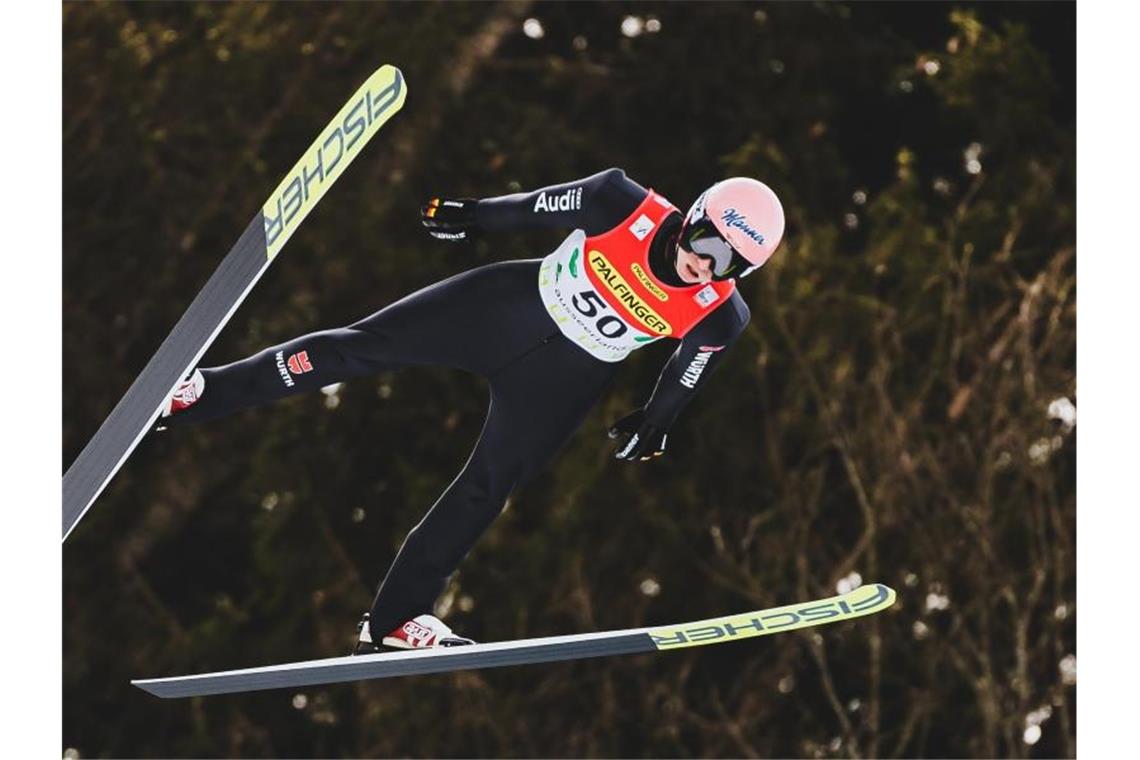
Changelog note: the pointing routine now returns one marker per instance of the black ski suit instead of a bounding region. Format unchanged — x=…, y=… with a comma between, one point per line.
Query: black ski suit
x=542, y=385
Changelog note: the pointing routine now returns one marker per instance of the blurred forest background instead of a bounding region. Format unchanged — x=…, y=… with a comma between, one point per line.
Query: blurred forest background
x=901, y=408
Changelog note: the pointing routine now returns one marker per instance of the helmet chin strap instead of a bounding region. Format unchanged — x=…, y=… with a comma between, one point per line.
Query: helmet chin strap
x=663, y=261
x=673, y=243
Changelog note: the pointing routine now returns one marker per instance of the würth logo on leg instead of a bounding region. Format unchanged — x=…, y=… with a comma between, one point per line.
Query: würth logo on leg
x=283, y=367
x=299, y=363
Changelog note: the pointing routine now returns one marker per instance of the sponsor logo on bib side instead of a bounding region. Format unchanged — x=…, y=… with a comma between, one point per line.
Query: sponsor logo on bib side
x=706, y=296
x=641, y=227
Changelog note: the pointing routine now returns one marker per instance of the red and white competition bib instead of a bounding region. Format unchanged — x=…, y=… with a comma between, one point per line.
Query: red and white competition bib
x=603, y=296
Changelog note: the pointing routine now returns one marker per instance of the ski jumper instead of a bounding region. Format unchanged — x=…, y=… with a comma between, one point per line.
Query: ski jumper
x=544, y=376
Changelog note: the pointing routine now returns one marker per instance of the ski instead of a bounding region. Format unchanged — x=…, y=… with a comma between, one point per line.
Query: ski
x=865, y=600
x=376, y=101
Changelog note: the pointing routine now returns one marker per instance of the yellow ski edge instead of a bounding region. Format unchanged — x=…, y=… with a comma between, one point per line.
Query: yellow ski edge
x=865, y=600
x=376, y=101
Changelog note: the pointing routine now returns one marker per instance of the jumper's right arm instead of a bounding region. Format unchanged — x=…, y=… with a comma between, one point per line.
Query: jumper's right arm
x=593, y=204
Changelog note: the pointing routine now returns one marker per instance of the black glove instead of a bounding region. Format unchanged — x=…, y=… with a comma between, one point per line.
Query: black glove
x=638, y=439
x=449, y=219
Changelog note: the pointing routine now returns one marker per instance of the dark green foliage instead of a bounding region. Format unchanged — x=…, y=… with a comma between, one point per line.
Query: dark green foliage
x=884, y=414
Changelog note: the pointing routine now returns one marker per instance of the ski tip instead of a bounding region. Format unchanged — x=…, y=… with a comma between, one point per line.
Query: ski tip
x=887, y=597
x=342, y=140
x=391, y=76
x=387, y=67
x=864, y=600
x=876, y=595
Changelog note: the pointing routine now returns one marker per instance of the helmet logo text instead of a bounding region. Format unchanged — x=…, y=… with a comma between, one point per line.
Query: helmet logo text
x=734, y=218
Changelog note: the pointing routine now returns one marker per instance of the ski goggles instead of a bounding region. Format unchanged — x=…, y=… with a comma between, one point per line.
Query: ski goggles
x=700, y=236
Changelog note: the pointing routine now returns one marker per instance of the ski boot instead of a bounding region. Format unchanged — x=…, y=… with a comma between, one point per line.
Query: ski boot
x=421, y=632
x=185, y=396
